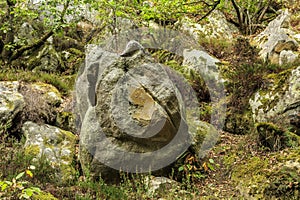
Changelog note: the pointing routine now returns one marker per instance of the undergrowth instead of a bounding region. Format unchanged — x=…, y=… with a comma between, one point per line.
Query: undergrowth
x=64, y=84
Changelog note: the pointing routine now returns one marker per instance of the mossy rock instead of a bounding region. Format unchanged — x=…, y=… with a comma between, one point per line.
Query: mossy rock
x=271, y=136
x=55, y=145
x=279, y=98
x=204, y=137
x=50, y=93
x=239, y=123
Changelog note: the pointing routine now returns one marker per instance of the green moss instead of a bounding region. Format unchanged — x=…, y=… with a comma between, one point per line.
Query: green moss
x=63, y=83
x=69, y=136
x=43, y=196
x=292, y=154
x=275, y=138
x=67, y=173
x=33, y=150
x=251, y=168
x=66, y=121
x=275, y=176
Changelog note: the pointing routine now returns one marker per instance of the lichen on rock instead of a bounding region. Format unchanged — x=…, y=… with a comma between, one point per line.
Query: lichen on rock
x=56, y=145
x=279, y=99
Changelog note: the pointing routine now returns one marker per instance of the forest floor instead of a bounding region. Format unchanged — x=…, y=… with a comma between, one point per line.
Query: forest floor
x=218, y=183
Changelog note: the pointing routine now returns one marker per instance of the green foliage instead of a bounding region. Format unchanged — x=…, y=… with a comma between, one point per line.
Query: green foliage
x=261, y=174
x=64, y=84
x=46, y=17
x=164, y=12
x=191, y=170
x=100, y=190
x=246, y=73
x=18, y=187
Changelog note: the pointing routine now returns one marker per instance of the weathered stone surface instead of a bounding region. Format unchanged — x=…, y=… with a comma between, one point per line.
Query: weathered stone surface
x=279, y=100
x=216, y=27
x=276, y=38
x=202, y=63
x=57, y=145
x=204, y=137
x=158, y=185
x=131, y=114
x=11, y=103
x=287, y=57
x=129, y=100
x=200, y=66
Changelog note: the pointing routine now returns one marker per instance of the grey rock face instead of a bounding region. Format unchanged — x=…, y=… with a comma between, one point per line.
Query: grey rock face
x=131, y=48
x=202, y=64
x=158, y=185
x=131, y=115
x=276, y=38
x=11, y=103
x=280, y=101
x=216, y=27
x=287, y=57
x=49, y=92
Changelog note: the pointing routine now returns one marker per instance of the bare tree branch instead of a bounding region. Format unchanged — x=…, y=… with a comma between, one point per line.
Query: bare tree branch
x=238, y=11
x=211, y=10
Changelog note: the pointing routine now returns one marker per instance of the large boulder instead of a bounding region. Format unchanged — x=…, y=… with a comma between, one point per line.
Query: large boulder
x=277, y=43
x=132, y=116
x=202, y=63
x=11, y=103
x=54, y=144
x=279, y=101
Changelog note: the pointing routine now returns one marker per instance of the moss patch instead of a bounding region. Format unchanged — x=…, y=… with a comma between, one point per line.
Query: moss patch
x=271, y=136
x=261, y=174
x=43, y=196
x=64, y=84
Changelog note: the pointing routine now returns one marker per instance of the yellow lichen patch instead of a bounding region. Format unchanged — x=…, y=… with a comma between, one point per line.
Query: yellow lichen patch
x=43, y=196
x=32, y=150
x=138, y=96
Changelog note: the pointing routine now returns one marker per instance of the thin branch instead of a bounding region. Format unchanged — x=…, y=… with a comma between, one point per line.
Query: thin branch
x=210, y=11
x=263, y=12
x=237, y=10
x=64, y=11
x=197, y=2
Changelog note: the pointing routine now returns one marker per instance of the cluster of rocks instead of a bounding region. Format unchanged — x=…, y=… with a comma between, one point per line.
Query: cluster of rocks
x=133, y=116
x=51, y=142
